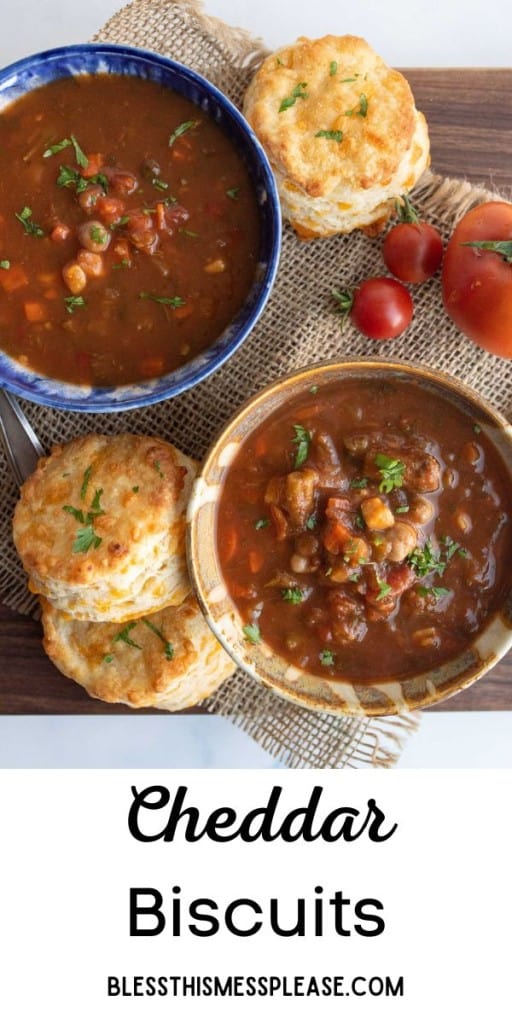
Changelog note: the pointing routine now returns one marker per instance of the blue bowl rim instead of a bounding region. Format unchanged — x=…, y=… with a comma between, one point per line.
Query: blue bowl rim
x=26, y=384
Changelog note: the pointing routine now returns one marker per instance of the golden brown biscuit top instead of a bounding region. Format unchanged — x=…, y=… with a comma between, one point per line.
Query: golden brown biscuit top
x=143, y=661
x=96, y=505
x=331, y=111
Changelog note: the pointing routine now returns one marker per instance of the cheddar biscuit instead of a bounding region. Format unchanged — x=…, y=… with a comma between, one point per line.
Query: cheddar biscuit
x=341, y=131
x=168, y=660
x=100, y=526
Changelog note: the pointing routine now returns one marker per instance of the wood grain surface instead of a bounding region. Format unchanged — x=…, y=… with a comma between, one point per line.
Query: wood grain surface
x=469, y=112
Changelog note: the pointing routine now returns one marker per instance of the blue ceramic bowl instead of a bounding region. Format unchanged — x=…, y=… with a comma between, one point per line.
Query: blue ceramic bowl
x=34, y=71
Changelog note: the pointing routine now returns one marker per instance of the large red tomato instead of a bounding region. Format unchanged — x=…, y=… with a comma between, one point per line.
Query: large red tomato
x=477, y=276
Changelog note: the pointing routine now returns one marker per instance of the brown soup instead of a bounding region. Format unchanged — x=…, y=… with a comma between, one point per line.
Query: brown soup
x=129, y=230
x=364, y=531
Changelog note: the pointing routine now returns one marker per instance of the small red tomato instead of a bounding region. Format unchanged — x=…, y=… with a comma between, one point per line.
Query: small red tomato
x=380, y=307
x=477, y=277
x=413, y=249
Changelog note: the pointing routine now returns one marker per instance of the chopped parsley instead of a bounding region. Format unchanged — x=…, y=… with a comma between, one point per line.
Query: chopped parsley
x=108, y=658
x=391, y=472
x=73, y=302
x=384, y=589
x=97, y=234
x=401, y=509
x=355, y=577
x=333, y=135
x=175, y=301
x=302, y=440
x=333, y=67
x=356, y=485
x=436, y=592
x=451, y=548
x=119, y=223
x=252, y=633
x=124, y=636
x=122, y=265
x=311, y=522
x=86, y=536
x=360, y=523
x=157, y=183
x=158, y=468
x=30, y=227
x=361, y=110
x=57, y=147
x=298, y=93
x=232, y=193
x=294, y=595
x=425, y=560
x=260, y=524
x=5, y=264
x=85, y=483
x=168, y=647
x=69, y=178
x=353, y=79
x=135, y=490
x=313, y=389
x=326, y=658
x=185, y=126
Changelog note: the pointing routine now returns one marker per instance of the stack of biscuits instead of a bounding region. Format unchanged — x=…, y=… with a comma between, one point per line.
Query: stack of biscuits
x=100, y=529
x=341, y=131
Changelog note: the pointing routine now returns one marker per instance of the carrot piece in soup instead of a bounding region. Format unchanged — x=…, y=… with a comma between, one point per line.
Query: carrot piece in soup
x=13, y=278
x=35, y=312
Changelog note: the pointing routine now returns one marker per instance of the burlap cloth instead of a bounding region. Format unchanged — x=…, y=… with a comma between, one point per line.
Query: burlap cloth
x=299, y=326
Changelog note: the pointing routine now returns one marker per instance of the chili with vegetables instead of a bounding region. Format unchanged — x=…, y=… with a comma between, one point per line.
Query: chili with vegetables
x=129, y=230
x=364, y=530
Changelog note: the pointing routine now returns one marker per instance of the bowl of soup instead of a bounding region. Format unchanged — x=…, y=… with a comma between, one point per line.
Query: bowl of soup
x=350, y=537
x=140, y=228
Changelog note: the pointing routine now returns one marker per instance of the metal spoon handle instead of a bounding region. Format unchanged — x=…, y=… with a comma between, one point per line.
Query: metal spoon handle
x=21, y=445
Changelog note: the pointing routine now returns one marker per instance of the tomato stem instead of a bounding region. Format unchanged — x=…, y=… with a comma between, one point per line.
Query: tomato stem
x=503, y=249
x=345, y=300
x=405, y=210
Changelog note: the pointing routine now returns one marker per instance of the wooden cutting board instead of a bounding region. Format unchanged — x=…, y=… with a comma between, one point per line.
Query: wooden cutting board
x=469, y=112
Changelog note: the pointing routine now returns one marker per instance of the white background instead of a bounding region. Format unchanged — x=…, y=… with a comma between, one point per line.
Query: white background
x=406, y=33
x=70, y=862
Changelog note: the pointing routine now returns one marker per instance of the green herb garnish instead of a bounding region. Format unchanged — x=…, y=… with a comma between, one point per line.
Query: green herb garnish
x=326, y=658
x=56, y=148
x=294, y=595
x=5, y=264
x=73, y=302
x=298, y=93
x=108, y=658
x=135, y=490
x=85, y=483
x=391, y=472
x=119, y=223
x=124, y=636
x=97, y=234
x=356, y=485
x=260, y=524
x=355, y=577
x=69, y=178
x=252, y=633
x=353, y=79
x=333, y=67
x=122, y=265
x=313, y=389
x=361, y=110
x=162, y=186
x=324, y=133
x=158, y=468
x=168, y=647
x=30, y=227
x=384, y=589
x=164, y=300
x=476, y=426
x=233, y=193
x=452, y=548
x=401, y=509
x=185, y=126
x=425, y=560
x=436, y=592
x=86, y=538
x=311, y=522
x=80, y=156
x=302, y=440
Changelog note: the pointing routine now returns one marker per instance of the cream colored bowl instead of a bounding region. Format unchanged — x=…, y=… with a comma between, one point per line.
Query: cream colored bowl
x=345, y=696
